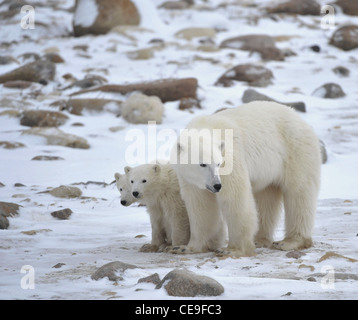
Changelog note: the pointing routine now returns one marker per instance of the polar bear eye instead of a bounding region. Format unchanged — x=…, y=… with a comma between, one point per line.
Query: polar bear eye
x=131, y=181
x=144, y=181
x=120, y=189
x=202, y=165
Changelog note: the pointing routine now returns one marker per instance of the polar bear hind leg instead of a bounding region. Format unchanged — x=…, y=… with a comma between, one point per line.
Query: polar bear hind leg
x=269, y=206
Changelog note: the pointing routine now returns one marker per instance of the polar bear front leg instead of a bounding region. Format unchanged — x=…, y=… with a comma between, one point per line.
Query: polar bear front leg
x=158, y=233
x=206, y=231
x=242, y=220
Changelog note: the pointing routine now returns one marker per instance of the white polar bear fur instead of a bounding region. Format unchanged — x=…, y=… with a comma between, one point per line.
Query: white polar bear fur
x=275, y=158
x=158, y=188
x=124, y=189
x=140, y=108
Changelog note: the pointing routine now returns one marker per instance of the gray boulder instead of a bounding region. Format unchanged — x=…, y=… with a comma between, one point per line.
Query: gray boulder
x=184, y=283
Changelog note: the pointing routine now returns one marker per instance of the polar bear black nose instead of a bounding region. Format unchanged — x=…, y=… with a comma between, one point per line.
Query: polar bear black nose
x=135, y=194
x=217, y=187
x=123, y=202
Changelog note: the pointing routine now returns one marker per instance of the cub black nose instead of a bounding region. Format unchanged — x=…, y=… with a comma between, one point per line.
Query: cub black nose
x=123, y=202
x=217, y=187
x=135, y=194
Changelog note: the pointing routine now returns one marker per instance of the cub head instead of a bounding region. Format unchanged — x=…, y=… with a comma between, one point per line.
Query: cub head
x=142, y=179
x=125, y=189
x=197, y=158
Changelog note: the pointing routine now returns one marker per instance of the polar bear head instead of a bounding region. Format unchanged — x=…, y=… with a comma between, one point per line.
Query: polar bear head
x=198, y=158
x=143, y=179
x=125, y=189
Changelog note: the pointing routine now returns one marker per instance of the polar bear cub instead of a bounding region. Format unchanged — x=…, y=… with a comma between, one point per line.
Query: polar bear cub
x=271, y=156
x=156, y=185
x=124, y=189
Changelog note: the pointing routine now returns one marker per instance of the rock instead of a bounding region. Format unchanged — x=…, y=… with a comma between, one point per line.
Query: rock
x=252, y=95
x=295, y=254
x=348, y=6
x=190, y=33
x=11, y=145
x=78, y=106
x=263, y=44
x=42, y=118
x=184, y=283
x=176, y=5
x=57, y=137
x=341, y=71
x=62, y=214
x=189, y=103
x=111, y=270
x=47, y=158
x=141, y=54
x=100, y=16
x=66, y=192
x=7, y=60
x=329, y=91
x=88, y=82
x=9, y=209
x=18, y=84
x=345, y=38
x=165, y=89
x=40, y=71
x=4, y=222
x=254, y=75
x=154, y=278
x=303, y=7
x=323, y=149
x=58, y=265
x=140, y=108
x=54, y=57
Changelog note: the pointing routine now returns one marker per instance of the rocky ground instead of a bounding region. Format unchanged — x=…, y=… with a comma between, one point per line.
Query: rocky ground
x=63, y=87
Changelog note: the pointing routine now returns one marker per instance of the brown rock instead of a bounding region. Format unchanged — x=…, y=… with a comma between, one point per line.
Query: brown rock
x=110, y=13
x=9, y=209
x=349, y=7
x=252, y=95
x=37, y=71
x=18, y=84
x=57, y=137
x=345, y=38
x=254, y=75
x=303, y=7
x=112, y=270
x=62, y=214
x=11, y=145
x=47, y=158
x=66, y=192
x=263, y=44
x=78, y=106
x=154, y=278
x=184, y=283
x=42, y=118
x=165, y=89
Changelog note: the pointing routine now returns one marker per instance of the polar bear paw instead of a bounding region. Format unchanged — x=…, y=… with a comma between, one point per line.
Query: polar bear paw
x=148, y=247
x=180, y=250
x=289, y=244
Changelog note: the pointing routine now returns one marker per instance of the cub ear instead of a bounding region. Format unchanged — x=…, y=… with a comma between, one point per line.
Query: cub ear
x=156, y=168
x=127, y=169
x=117, y=176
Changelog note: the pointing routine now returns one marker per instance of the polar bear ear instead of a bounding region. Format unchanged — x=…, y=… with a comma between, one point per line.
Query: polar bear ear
x=156, y=168
x=117, y=176
x=127, y=169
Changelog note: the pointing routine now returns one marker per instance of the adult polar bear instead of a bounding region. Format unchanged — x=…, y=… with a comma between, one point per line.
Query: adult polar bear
x=273, y=156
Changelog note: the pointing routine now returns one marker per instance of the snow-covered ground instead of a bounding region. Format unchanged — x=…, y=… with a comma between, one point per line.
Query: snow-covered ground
x=100, y=230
